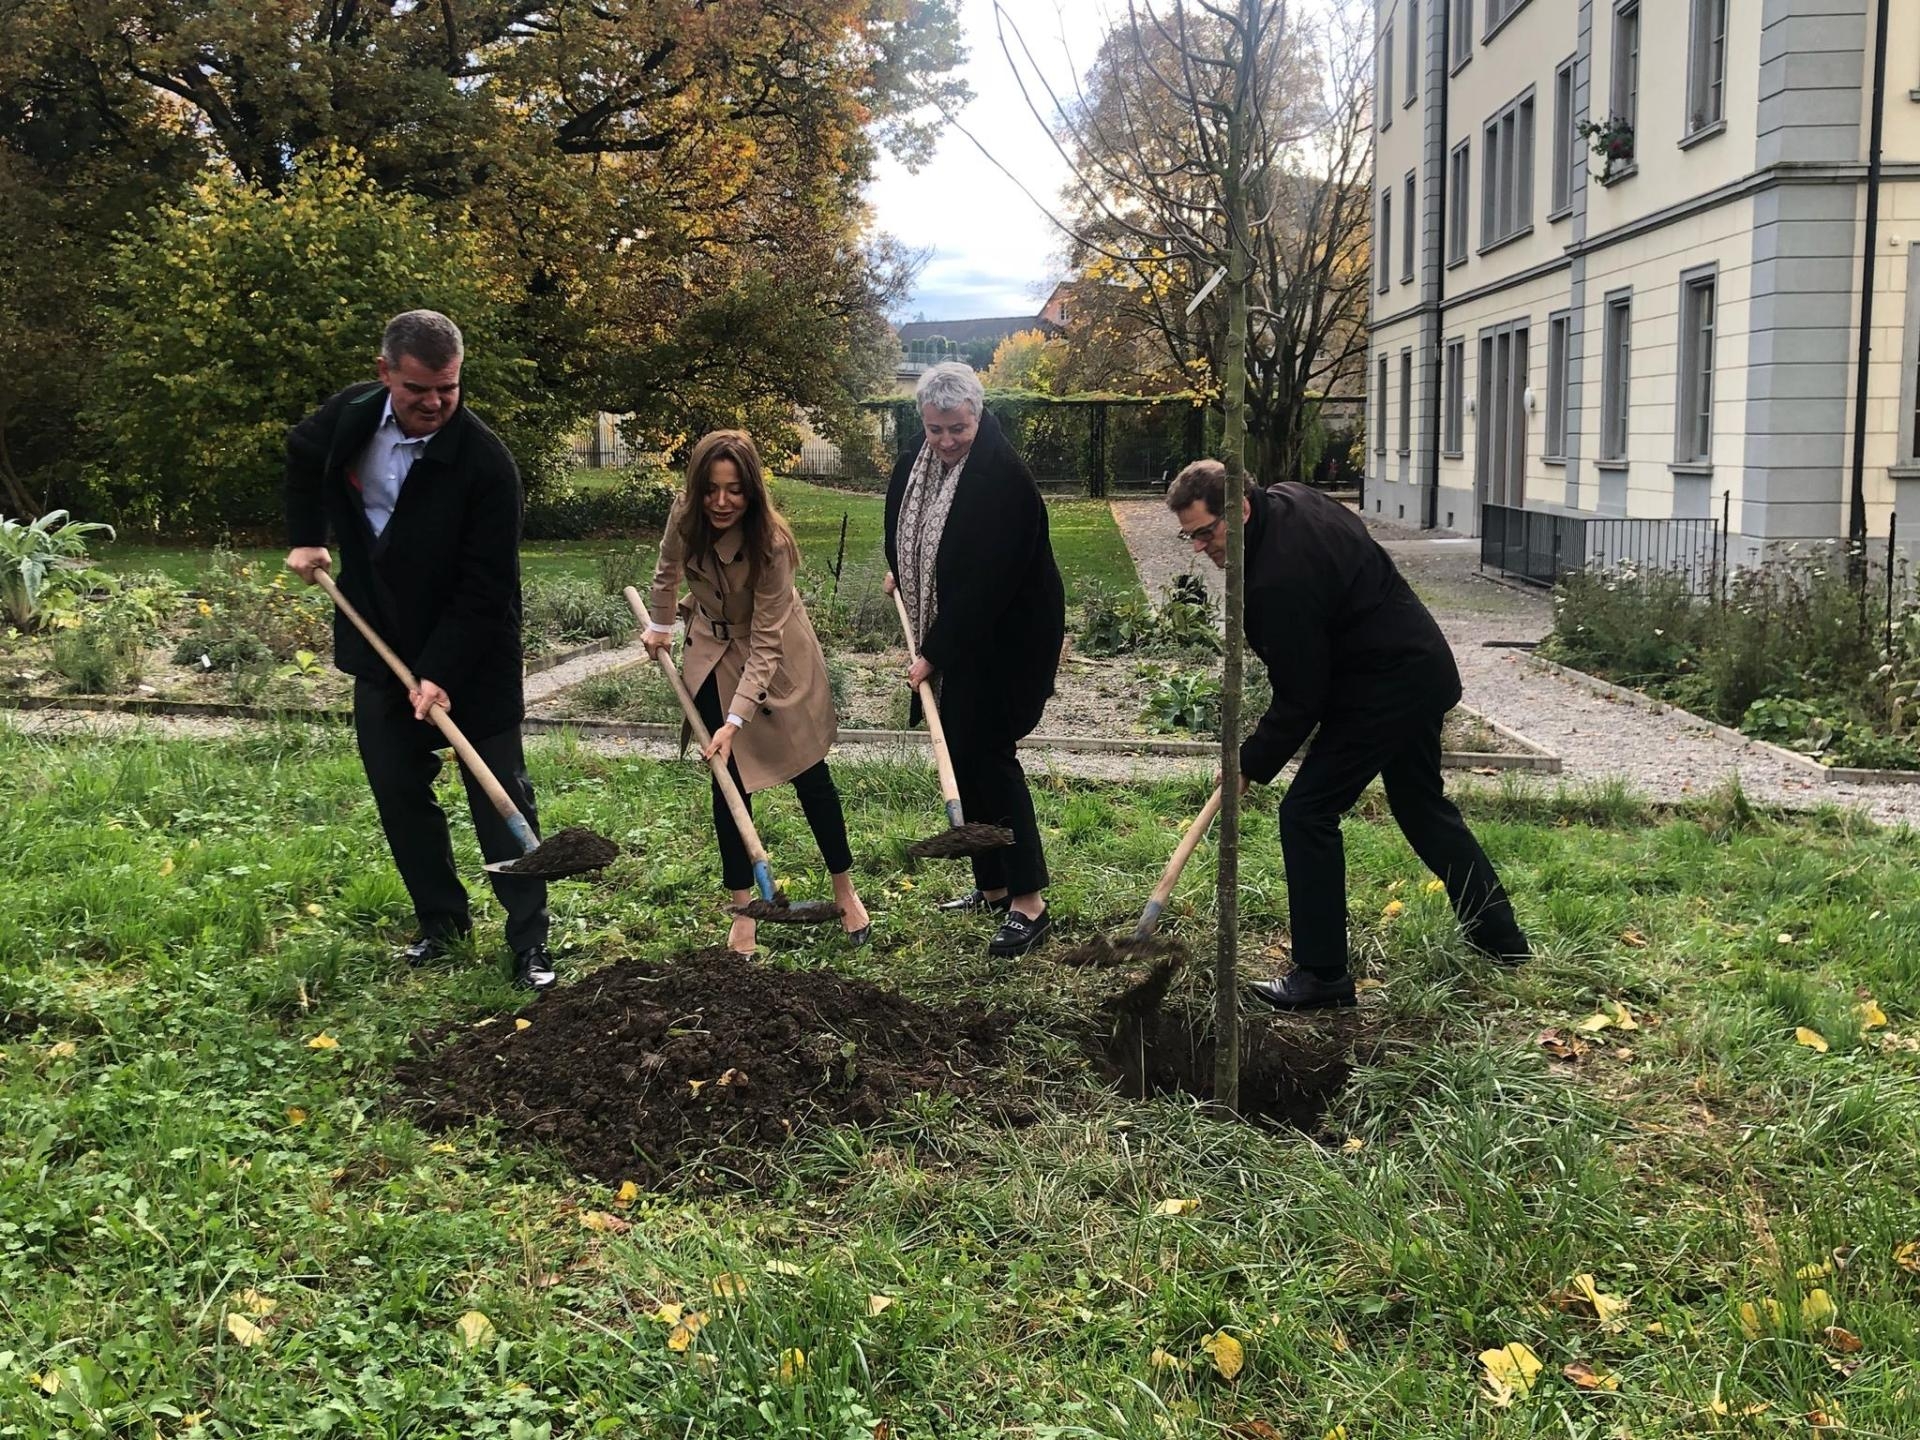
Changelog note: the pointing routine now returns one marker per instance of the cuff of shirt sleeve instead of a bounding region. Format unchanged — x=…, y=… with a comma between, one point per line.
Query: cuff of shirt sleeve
x=735, y=721
x=654, y=628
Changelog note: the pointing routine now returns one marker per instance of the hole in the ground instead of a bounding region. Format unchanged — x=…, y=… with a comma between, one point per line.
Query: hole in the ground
x=1291, y=1070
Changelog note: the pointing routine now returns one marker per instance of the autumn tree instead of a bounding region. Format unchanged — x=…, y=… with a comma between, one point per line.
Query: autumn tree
x=1026, y=360
x=1130, y=137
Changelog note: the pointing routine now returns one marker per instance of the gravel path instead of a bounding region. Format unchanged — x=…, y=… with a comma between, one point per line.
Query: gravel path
x=1663, y=756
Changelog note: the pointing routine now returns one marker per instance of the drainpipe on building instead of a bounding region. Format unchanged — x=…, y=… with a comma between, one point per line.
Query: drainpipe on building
x=1857, y=507
x=1430, y=519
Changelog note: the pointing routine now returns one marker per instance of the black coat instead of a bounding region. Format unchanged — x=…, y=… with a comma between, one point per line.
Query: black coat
x=1001, y=612
x=1346, y=642
x=441, y=584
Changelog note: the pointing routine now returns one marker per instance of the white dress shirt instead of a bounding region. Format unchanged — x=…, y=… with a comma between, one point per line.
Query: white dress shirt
x=383, y=468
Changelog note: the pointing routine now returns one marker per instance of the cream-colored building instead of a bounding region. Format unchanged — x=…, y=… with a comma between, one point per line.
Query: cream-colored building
x=1669, y=333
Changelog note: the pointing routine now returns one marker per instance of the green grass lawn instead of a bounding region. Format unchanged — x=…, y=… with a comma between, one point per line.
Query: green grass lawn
x=179, y=921
x=1085, y=539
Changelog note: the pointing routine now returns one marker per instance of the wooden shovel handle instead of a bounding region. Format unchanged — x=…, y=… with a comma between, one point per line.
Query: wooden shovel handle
x=942, y=761
x=1170, y=877
x=736, y=807
x=469, y=757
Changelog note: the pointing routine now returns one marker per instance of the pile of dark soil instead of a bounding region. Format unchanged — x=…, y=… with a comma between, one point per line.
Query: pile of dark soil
x=703, y=1067
x=572, y=851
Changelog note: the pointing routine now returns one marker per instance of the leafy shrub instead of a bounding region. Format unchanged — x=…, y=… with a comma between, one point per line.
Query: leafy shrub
x=1126, y=624
x=1184, y=700
x=252, y=612
x=575, y=610
x=640, y=500
x=43, y=565
x=94, y=661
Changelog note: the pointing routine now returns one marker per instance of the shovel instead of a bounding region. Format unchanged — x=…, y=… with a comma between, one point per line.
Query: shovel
x=573, y=851
x=959, y=839
x=1103, y=953
x=772, y=905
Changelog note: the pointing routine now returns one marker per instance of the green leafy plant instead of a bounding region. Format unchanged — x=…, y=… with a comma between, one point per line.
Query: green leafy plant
x=575, y=610
x=1186, y=700
x=95, y=662
x=1115, y=625
x=42, y=564
x=252, y=612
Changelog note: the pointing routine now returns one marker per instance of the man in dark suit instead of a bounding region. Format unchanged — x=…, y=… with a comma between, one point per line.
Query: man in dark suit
x=1349, y=649
x=425, y=504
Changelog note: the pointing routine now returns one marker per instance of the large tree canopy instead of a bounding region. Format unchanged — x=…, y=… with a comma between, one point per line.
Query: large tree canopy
x=673, y=186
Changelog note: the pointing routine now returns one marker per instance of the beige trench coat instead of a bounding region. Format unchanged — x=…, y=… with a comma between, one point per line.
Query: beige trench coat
x=760, y=644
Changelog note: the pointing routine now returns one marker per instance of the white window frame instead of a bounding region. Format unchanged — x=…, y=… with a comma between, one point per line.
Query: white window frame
x=1693, y=393
x=1616, y=379
x=1559, y=373
x=1707, y=69
x=1563, y=140
x=1409, y=232
x=1453, y=408
x=1506, y=178
x=1459, y=203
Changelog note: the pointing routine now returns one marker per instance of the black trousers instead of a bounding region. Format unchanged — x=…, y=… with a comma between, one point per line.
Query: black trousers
x=1405, y=754
x=400, y=755
x=819, y=801
x=993, y=787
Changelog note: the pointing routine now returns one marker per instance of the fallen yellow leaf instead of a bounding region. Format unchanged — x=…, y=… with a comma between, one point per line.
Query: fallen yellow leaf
x=783, y=1267
x=1229, y=1355
x=793, y=1364
x=1510, y=1371
x=730, y=1285
x=684, y=1329
x=670, y=1313
x=1720, y=1407
x=1394, y=910
x=1339, y=1432
x=63, y=1050
x=1817, y=1310
x=1634, y=939
x=1812, y=1039
x=243, y=1330
x=705, y=1361
x=443, y=1147
x=1845, y=1341
x=1176, y=1207
x=473, y=1329
x=877, y=1304
x=256, y=1304
x=628, y=1193
x=695, y=1086
x=296, y=1116
x=1354, y=1145
x=1585, y=1377
x=603, y=1222
x=1907, y=1256
x=323, y=1041
x=1623, y=1017
x=313, y=909
x=1161, y=1360
x=1757, y=1320
x=1594, y=1023
x=1435, y=887
x=166, y=866
x=523, y=1024
x=1583, y=1297
x=1814, y=1272
x=1872, y=1017
x=49, y=1383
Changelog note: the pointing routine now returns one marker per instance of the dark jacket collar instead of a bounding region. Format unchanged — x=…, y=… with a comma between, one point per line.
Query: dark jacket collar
x=364, y=413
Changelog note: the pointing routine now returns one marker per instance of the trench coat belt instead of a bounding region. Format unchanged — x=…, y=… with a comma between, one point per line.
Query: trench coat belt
x=721, y=630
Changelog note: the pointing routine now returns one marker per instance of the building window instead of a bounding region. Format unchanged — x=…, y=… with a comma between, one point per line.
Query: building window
x=1559, y=334
x=1453, y=406
x=1380, y=411
x=1500, y=440
x=1616, y=378
x=1460, y=172
x=1406, y=402
x=1693, y=422
x=1564, y=139
x=1409, y=232
x=1907, y=462
x=1413, y=51
x=1386, y=78
x=1506, y=174
x=1625, y=108
x=1460, y=30
x=1707, y=67
x=1383, y=244
x=1499, y=11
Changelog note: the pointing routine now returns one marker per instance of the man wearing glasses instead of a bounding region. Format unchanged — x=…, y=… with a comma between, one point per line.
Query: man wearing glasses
x=1349, y=649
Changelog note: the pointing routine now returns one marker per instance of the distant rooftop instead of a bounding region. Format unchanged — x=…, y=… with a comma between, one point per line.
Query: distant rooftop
x=968, y=332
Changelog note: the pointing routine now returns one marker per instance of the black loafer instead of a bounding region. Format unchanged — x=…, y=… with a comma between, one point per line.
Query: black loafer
x=976, y=900
x=1510, y=949
x=1306, y=990
x=430, y=948
x=533, y=969
x=1017, y=934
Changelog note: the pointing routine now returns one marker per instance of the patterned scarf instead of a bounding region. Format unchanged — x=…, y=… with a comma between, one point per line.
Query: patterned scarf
x=923, y=519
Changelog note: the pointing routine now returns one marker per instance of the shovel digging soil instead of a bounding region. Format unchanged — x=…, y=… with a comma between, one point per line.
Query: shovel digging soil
x=573, y=851
x=960, y=839
x=1102, y=953
x=773, y=904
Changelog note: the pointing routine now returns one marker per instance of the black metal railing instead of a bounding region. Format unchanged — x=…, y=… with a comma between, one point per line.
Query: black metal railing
x=1539, y=547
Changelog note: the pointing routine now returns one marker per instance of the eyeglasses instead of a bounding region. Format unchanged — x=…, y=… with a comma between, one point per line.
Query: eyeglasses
x=1204, y=534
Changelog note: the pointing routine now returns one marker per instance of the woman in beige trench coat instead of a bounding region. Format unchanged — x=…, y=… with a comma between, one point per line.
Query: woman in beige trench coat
x=751, y=661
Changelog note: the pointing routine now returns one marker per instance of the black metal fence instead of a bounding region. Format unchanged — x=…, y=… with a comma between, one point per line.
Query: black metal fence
x=1538, y=547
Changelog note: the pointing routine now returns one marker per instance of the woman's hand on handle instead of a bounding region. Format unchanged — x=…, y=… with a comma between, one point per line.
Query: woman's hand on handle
x=919, y=673
x=720, y=747
x=657, y=642
x=889, y=584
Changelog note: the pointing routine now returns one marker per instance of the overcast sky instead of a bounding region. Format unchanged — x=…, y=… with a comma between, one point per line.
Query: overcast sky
x=994, y=253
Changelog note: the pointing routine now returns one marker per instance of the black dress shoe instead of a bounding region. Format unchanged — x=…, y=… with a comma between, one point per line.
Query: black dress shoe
x=977, y=900
x=1509, y=949
x=1017, y=934
x=533, y=969
x=1307, y=990
x=430, y=948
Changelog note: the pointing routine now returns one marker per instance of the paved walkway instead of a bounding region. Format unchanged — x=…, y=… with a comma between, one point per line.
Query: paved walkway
x=1664, y=756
